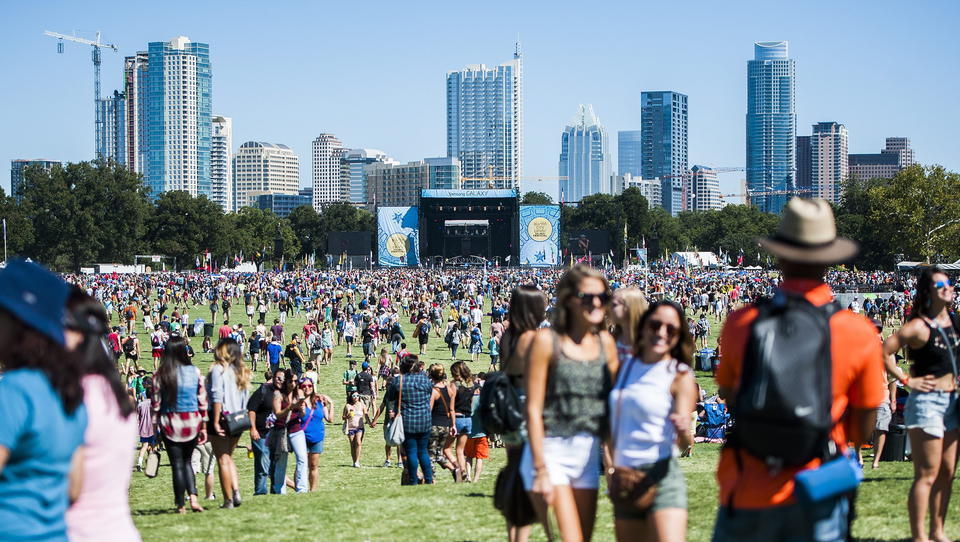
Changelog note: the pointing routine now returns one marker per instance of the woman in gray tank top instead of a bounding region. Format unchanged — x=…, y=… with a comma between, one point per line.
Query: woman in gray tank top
x=569, y=371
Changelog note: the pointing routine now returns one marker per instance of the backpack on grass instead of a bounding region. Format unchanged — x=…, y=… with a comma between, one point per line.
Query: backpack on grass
x=782, y=409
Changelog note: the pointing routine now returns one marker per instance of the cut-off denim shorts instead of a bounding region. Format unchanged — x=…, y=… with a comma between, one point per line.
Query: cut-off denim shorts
x=933, y=411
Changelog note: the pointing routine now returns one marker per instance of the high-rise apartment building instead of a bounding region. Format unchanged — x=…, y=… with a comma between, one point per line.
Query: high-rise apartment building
x=663, y=116
x=393, y=184
x=584, y=157
x=771, y=126
x=649, y=188
x=353, y=178
x=327, y=185
x=804, y=178
x=828, y=160
x=281, y=204
x=485, y=123
x=221, y=161
x=896, y=155
x=177, y=118
x=134, y=92
x=264, y=168
x=629, y=150
x=16, y=172
x=704, y=189
x=111, y=128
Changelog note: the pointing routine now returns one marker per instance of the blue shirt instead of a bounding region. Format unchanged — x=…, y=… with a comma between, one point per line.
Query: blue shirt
x=416, y=401
x=273, y=351
x=315, y=430
x=41, y=439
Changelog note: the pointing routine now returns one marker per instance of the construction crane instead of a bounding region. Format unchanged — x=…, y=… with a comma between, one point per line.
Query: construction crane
x=490, y=178
x=755, y=193
x=96, y=45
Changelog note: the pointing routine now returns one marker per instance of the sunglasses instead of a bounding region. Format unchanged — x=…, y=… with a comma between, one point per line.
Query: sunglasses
x=587, y=299
x=942, y=284
x=305, y=386
x=655, y=325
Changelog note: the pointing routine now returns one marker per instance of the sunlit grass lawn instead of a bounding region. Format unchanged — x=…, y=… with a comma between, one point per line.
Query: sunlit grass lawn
x=369, y=503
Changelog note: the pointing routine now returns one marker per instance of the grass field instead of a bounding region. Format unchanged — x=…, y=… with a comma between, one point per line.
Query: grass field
x=368, y=504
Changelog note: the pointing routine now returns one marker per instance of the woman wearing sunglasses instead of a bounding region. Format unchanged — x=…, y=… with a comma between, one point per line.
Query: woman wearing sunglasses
x=317, y=409
x=650, y=413
x=931, y=416
x=568, y=378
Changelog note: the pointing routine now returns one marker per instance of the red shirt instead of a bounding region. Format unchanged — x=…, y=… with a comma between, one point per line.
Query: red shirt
x=225, y=331
x=857, y=366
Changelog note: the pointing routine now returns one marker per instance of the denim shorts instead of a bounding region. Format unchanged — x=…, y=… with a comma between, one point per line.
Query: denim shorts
x=464, y=425
x=671, y=489
x=315, y=447
x=823, y=521
x=934, y=411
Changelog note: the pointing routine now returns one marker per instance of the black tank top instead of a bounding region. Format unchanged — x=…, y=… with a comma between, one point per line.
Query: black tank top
x=441, y=407
x=463, y=404
x=933, y=358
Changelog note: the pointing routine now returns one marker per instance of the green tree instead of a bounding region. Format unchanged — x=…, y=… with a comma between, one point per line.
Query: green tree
x=58, y=202
x=184, y=227
x=344, y=217
x=536, y=198
x=19, y=230
x=306, y=224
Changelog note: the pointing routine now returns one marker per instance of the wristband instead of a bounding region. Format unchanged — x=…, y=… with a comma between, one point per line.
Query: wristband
x=904, y=379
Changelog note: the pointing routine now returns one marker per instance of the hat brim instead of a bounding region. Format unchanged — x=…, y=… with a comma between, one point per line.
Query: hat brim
x=838, y=251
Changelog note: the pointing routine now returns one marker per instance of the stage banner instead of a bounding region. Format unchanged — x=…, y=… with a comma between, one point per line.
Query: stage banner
x=398, y=232
x=539, y=235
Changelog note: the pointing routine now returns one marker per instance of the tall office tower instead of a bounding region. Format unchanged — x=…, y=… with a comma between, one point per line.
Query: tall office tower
x=771, y=125
x=221, y=169
x=901, y=147
x=485, y=123
x=264, y=168
x=134, y=75
x=353, y=179
x=896, y=155
x=177, y=113
x=649, y=188
x=629, y=149
x=804, y=166
x=327, y=188
x=16, y=172
x=704, y=189
x=584, y=157
x=390, y=184
x=663, y=116
x=828, y=160
x=111, y=128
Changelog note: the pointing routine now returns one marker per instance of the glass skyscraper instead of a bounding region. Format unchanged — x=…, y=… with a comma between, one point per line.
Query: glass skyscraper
x=771, y=126
x=485, y=123
x=663, y=134
x=584, y=157
x=178, y=115
x=111, y=128
x=353, y=178
x=629, y=145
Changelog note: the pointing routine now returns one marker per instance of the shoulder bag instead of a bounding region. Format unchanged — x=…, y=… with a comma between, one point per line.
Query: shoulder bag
x=235, y=423
x=395, y=436
x=153, y=464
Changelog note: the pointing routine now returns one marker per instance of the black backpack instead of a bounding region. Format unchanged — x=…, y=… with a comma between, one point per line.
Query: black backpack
x=128, y=346
x=500, y=407
x=782, y=410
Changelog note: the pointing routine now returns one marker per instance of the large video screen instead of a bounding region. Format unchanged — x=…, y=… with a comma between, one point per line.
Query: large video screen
x=539, y=235
x=583, y=242
x=351, y=243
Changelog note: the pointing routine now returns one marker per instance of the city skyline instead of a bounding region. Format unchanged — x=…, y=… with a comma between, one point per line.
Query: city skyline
x=406, y=117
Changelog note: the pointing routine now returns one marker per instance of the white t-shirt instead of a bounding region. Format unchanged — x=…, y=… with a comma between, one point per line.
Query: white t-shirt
x=643, y=431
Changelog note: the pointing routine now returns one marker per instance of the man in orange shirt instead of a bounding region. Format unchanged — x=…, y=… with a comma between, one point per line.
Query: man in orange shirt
x=758, y=503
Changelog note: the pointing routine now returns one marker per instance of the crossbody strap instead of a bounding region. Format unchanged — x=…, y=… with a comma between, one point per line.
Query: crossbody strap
x=948, y=344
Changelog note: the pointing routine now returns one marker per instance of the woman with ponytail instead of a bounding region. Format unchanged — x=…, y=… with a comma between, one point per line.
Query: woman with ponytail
x=227, y=383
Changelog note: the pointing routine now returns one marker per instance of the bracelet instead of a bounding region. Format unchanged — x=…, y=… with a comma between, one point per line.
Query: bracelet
x=904, y=379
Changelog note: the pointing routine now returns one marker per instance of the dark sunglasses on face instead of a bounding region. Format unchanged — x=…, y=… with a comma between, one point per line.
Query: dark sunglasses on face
x=655, y=325
x=942, y=284
x=587, y=299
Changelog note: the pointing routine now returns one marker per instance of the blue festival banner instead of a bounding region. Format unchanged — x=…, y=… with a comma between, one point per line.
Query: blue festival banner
x=539, y=235
x=398, y=236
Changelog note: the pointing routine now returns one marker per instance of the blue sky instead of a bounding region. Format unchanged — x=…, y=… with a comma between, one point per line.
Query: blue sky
x=373, y=72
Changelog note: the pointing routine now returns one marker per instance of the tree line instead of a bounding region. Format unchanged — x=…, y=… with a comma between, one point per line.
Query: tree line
x=99, y=211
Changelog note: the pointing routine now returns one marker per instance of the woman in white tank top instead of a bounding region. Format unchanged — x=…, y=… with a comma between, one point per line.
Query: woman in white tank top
x=650, y=412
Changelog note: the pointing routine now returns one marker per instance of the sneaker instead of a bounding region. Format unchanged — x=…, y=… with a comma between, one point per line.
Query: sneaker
x=356, y=465
x=386, y=463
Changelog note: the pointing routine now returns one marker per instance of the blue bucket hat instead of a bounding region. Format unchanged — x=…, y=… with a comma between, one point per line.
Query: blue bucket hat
x=34, y=296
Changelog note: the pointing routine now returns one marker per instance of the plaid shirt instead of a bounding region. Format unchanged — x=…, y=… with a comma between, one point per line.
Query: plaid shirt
x=182, y=426
x=415, y=409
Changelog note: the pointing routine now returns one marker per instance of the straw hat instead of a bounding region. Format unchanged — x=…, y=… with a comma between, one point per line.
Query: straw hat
x=808, y=234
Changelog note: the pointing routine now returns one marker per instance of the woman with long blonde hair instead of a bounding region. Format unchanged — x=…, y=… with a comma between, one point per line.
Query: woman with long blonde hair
x=227, y=383
x=626, y=309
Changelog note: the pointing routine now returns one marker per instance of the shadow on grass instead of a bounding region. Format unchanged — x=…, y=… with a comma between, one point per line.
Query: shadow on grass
x=153, y=512
x=887, y=478
x=475, y=494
